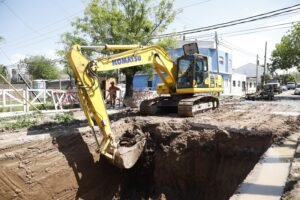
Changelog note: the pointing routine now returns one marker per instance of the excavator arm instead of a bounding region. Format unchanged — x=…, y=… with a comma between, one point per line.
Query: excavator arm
x=91, y=98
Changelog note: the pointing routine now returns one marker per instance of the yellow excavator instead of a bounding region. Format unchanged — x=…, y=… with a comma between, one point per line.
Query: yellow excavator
x=187, y=86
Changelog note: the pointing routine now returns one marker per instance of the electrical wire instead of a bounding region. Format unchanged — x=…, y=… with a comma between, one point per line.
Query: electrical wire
x=238, y=21
x=20, y=18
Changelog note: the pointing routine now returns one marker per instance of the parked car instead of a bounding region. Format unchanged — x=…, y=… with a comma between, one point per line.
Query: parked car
x=297, y=89
x=291, y=85
x=276, y=87
x=284, y=88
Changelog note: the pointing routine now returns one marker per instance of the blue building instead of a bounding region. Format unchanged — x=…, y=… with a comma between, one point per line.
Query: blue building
x=225, y=67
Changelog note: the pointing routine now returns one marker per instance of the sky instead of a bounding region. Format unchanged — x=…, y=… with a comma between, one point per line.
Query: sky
x=34, y=27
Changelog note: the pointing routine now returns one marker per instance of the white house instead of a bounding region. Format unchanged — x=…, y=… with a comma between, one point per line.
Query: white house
x=238, y=84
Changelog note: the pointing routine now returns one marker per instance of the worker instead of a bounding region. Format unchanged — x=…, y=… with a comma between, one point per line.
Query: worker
x=112, y=91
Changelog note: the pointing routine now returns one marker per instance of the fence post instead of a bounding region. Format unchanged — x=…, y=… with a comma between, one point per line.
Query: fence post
x=44, y=96
x=10, y=103
x=3, y=100
x=24, y=102
x=28, y=99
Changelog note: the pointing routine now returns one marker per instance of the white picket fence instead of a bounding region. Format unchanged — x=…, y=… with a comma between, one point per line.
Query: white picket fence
x=60, y=98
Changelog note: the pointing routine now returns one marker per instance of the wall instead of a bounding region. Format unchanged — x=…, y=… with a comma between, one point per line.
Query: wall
x=251, y=85
x=237, y=81
x=140, y=81
x=226, y=84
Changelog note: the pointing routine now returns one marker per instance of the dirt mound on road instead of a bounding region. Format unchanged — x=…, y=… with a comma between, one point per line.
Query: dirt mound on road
x=186, y=160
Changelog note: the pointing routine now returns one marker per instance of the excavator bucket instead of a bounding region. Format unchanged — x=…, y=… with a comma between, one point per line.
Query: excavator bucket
x=126, y=156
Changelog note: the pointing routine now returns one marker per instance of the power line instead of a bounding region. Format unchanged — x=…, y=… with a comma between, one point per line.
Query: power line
x=17, y=41
x=193, y=4
x=6, y=56
x=252, y=32
x=237, y=48
x=258, y=28
x=223, y=26
x=247, y=31
x=270, y=14
x=20, y=19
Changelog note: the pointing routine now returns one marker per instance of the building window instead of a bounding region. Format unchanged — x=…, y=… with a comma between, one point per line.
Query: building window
x=254, y=84
x=233, y=83
x=239, y=83
x=250, y=84
x=221, y=60
x=230, y=63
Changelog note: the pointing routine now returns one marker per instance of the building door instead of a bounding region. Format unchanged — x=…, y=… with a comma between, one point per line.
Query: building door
x=243, y=86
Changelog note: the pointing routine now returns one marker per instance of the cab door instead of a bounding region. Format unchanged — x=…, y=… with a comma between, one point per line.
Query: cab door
x=201, y=72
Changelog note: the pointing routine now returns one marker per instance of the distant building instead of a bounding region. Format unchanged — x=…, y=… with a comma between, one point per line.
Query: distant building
x=250, y=84
x=250, y=70
x=205, y=48
x=238, y=84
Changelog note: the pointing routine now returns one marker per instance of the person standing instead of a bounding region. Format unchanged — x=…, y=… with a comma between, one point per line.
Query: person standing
x=112, y=91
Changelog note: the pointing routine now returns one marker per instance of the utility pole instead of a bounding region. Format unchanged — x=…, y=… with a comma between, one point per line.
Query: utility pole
x=217, y=53
x=257, y=64
x=265, y=63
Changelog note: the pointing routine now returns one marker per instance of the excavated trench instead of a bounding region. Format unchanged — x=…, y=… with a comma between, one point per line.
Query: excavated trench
x=184, y=160
x=192, y=161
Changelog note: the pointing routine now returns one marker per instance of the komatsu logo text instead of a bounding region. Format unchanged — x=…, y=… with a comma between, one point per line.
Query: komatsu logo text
x=126, y=60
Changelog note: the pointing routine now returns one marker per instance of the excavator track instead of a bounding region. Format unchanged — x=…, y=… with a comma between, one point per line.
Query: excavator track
x=185, y=107
x=188, y=107
x=150, y=106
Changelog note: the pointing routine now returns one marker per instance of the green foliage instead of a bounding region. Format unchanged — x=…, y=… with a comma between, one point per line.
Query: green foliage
x=286, y=54
x=122, y=22
x=1, y=39
x=285, y=78
x=167, y=43
x=40, y=67
x=18, y=122
x=64, y=118
x=3, y=72
x=47, y=105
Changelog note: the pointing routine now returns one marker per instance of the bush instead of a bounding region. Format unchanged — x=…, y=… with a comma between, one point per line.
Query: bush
x=64, y=118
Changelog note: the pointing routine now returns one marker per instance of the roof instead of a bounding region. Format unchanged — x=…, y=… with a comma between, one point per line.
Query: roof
x=249, y=70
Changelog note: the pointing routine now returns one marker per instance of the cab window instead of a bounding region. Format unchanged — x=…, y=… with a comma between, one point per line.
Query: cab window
x=185, y=73
x=200, y=68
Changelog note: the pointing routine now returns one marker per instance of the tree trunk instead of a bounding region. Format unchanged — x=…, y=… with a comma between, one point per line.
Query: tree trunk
x=129, y=86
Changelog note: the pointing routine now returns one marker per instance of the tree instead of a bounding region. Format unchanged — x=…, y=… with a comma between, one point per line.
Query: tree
x=40, y=67
x=287, y=53
x=285, y=78
x=124, y=22
x=265, y=78
x=3, y=72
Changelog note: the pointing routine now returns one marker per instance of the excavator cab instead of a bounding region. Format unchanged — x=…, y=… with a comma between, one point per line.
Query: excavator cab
x=192, y=70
